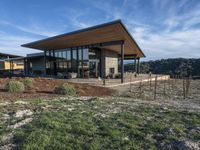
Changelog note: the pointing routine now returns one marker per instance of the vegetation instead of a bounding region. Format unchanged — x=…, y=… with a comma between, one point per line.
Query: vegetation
x=102, y=123
x=177, y=66
x=109, y=123
x=65, y=89
x=28, y=82
x=14, y=86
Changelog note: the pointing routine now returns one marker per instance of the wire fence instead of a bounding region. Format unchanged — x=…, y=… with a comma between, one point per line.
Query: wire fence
x=159, y=85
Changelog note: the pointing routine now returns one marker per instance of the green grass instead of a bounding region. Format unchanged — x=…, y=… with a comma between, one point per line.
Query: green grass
x=102, y=124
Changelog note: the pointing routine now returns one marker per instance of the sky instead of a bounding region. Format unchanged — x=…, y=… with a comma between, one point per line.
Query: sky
x=162, y=28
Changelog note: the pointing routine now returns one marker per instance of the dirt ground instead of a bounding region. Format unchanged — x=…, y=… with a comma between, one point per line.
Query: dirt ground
x=43, y=88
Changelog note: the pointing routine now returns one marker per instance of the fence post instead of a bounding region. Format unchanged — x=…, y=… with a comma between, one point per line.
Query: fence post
x=140, y=87
x=188, y=85
x=130, y=82
x=150, y=81
x=172, y=82
x=164, y=86
x=155, y=87
x=183, y=87
x=104, y=81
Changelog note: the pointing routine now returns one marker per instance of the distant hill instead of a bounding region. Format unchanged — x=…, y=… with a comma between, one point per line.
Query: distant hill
x=176, y=66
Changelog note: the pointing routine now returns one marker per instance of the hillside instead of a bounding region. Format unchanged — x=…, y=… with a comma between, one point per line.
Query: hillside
x=178, y=66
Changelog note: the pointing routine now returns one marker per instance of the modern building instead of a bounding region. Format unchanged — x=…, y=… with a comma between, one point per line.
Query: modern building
x=35, y=64
x=97, y=51
x=8, y=65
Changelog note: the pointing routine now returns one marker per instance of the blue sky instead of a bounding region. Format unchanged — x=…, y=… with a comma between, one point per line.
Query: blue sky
x=162, y=28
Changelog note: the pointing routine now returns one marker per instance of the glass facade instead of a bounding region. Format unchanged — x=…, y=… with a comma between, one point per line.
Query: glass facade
x=65, y=61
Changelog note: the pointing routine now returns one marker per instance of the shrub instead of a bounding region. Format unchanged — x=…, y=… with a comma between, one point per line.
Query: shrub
x=65, y=89
x=14, y=86
x=28, y=82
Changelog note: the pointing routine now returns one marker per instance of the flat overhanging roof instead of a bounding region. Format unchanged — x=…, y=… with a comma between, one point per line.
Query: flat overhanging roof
x=109, y=32
x=10, y=55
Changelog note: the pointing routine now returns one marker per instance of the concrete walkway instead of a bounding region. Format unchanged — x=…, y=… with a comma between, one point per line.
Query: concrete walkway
x=128, y=79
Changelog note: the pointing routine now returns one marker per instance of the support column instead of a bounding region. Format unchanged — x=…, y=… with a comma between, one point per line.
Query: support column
x=122, y=62
x=135, y=65
x=54, y=64
x=82, y=70
x=138, y=66
x=12, y=67
x=45, y=63
x=25, y=66
x=77, y=62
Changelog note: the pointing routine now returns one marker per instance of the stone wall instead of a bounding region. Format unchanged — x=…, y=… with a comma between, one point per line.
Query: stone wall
x=109, y=60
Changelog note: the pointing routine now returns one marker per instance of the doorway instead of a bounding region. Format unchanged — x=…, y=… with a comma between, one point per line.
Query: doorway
x=94, y=62
x=94, y=68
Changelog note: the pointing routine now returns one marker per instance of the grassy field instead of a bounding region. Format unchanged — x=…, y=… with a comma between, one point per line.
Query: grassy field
x=98, y=123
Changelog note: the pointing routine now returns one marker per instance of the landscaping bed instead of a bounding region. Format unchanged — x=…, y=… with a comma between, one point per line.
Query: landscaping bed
x=43, y=88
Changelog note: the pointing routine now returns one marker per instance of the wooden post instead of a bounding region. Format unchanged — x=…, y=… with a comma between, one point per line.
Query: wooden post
x=175, y=78
x=104, y=81
x=150, y=81
x=140, y=87
x=155, y=88
x=188, y=85
x=164, y=86
x=130, y=82
x=183, y=88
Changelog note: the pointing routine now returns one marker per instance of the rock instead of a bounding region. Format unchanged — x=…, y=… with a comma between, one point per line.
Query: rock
x=149, y=118
x=125, y=138
x=169, y=131
x=7, y=138
x=22, y=113
x=183, y=145
x=21, y=123
x=164, y=108
x=4, y=104
x=5, y=116
x=194, y=129
x=21, y=102
x=193, y=145
x=70, y=109
x=7, y=147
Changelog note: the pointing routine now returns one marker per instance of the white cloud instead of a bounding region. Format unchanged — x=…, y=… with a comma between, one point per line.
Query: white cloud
x=168, y=33
x=169, y=44
x=163, y=40
x=74, y=17
x=34, y=28
x=11, y=44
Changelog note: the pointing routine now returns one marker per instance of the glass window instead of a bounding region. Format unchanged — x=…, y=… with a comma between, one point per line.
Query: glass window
x=60, y=54
x=56, y=54
x=68, y=54
x=80, y=54
x=52, y=53
x=65, y=54
x=47, y=53
x=85, y=54
x=74, y=54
